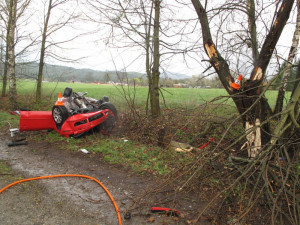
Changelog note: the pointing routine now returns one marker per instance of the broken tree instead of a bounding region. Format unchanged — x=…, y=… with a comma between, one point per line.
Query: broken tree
x=249, y=99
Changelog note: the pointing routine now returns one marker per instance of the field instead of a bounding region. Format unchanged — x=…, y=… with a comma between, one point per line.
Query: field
x=190, y=118
x=142, y=145
x=172, y=97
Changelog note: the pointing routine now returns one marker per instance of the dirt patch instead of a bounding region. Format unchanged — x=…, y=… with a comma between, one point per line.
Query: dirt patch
x=77, y=200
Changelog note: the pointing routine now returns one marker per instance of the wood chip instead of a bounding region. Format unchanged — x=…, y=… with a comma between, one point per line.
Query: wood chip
x=151, y=219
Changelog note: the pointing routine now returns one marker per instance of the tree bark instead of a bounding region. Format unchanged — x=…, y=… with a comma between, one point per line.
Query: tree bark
x=42, y=55
x=219, y=64
x=297, y=79
x=4, y=80
x=11, y=53
x=291, y=57
x=271, y=40
x=251, y=90
x=154, y=90
x=252, y=29
x=5, y=72
x=148, y=58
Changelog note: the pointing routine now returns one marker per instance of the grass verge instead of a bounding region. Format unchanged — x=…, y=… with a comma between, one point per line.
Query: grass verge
x=130, y=154
x=7, y=175
x=8, y=120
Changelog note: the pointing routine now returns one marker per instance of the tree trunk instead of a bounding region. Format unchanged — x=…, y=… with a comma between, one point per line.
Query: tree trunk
x=154, y=90
x=291, y=57
x=4, y=75
x=11, y=54
x=252, y=29
x=297, y=79
x=42, y=55
x=5, y=72
x=252, y=119
x=1, y=56
x=147, y=48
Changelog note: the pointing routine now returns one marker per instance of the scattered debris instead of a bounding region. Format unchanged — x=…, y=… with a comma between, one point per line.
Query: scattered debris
x=181, y=147
x=84, y=151
x=14, y=132
x=127, y=216
x=207, y=143
x=183, y=150
x=124, y=139
x=151, y=219
x=168, y=211
x=18, y=142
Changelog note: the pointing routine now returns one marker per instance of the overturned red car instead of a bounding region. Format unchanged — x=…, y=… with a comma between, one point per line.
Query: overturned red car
x=73, y=114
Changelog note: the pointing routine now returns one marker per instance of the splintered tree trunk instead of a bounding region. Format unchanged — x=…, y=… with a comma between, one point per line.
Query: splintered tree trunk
x=248, y=101
x=291, y=56
x=11, y=54
x=254, y=110
x=256, y=79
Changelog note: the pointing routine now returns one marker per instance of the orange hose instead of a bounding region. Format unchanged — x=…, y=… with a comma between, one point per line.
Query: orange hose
x=70, y=175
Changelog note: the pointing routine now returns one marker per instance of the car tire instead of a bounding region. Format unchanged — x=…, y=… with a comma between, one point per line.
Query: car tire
x=111, y=107
x=60, y=115
x=68, y=92
x=109, y=123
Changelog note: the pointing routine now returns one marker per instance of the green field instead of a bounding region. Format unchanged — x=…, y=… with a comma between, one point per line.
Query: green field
x=173, y=97
x=138, y=153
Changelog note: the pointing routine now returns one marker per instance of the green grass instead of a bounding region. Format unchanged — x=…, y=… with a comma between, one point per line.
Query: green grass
x=8, y=120
x=138, y=157
x=133, y=155
x=4, y=169
x=174, y=97
x=7, y=175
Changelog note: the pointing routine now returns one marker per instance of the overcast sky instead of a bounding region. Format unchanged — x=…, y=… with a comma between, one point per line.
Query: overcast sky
x=97, y=55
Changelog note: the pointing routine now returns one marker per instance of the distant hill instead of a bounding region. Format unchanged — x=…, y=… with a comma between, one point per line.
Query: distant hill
x=174, y=76
x=64, y=73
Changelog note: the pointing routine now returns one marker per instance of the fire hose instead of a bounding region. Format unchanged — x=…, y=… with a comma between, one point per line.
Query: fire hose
x=70, y=175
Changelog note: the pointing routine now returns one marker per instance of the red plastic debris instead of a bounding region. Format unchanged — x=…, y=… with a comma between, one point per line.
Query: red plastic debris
x=207, y=143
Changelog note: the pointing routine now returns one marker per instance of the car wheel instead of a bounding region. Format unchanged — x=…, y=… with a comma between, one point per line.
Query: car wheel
x=68, y=92
x=109, y=123
x=59, y=115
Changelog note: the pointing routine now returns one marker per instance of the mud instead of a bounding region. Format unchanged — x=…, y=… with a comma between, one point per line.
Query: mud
x=78, y=200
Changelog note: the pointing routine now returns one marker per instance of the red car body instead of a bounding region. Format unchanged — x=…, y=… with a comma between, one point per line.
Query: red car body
x=74, y=125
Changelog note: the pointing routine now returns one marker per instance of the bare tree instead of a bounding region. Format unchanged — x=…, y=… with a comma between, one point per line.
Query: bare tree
x=49, y=29
x=248, y=101
x=264, y=177
x=290, y=59
x=12, y=6
x=153, y=78
x=152, y=28
x=252, y=29
x=139, y=22
x=5, y=11
x=42, y=54
x=1, y=56
x=4, y=84
x=12, y=11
